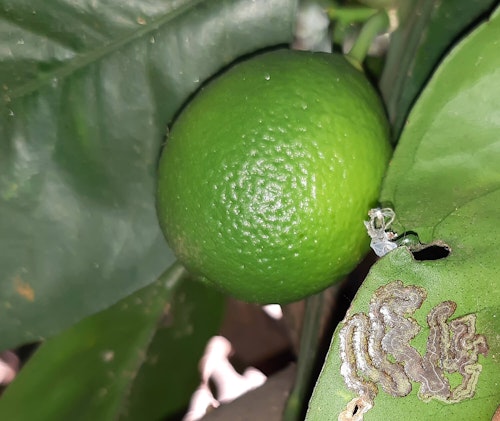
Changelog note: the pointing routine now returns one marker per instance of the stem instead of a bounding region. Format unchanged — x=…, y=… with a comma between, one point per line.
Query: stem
x=348, y=15
x=376, y=24
x=309, y=341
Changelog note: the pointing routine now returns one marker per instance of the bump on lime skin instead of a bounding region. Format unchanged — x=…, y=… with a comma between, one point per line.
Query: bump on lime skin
x=268, y=174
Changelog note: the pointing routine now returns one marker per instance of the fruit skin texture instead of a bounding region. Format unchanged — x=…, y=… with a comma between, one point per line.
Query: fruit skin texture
x=269, y=172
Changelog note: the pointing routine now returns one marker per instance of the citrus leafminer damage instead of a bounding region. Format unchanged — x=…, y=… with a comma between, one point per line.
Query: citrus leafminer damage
x=375, y=350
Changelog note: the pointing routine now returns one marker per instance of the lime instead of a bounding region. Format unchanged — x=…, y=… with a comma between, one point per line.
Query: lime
x=269, y=172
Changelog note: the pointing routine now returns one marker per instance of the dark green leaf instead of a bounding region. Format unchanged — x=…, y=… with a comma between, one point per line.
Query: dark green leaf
x=88, y=89
x=444, y=184
x=104, y=367
x=426, y=30
x=170, y=373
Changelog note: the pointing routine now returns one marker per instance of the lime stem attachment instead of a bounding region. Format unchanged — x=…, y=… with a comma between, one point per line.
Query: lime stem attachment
x=349, y=15
x=308, y=349
x=376, y=24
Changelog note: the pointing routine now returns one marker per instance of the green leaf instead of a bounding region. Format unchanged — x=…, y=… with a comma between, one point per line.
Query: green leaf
x=170, y=373
x=426, y=30
x=137, y=360
x=448, y=153
x=88, y=89
x=444, y=184
x=443, y=280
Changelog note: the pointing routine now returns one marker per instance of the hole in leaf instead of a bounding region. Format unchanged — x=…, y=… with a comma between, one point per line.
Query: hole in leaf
x=434, y=251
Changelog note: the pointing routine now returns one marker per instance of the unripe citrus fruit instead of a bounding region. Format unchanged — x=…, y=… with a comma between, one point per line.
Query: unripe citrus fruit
x=268, y=174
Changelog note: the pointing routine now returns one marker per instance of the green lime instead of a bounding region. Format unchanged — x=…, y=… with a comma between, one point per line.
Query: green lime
x=269, y=172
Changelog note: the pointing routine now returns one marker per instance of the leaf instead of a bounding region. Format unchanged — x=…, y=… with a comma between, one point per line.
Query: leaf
x=88, y=89
x=170, y=373
x=444, y=184
x=443, y=280
x=448, y=153
x=426, y=30
x=101, y=367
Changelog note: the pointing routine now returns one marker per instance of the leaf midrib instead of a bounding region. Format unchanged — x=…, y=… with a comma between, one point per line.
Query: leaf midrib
x=92, y=56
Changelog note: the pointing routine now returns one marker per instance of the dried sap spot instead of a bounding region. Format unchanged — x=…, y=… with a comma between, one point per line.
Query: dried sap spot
x=375, y=349
x=24, y=289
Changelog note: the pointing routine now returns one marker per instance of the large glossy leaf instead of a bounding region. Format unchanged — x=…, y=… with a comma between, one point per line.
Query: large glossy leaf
x=88, y=89
x=444, y=184
x=137, y=360
x=426, y=30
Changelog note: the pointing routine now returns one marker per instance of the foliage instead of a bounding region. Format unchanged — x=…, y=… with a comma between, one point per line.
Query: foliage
x=444, y=185
x=88, y=90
